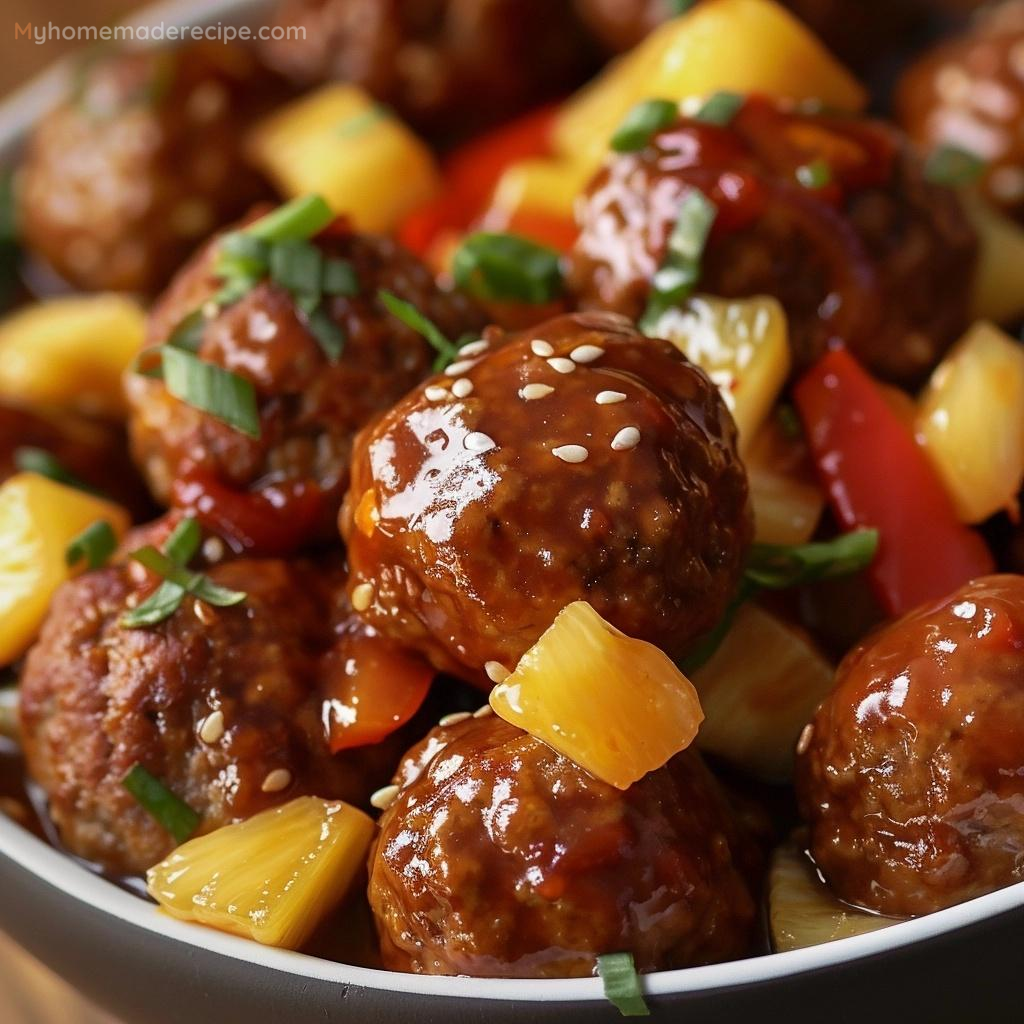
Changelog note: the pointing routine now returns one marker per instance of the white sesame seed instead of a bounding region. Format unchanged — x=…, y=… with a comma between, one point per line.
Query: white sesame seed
x=212, y=727
x=457, y=369
x=435, y=393
x=534, y=391
x=474, y=348
x=384, y=797
x=213, y=549
x=626, y=438
x=609, y=397
x=483, y=712
x=541, y=348
x=362, y=596
x=278, y=779
x=586, y=353
x=478, y=442
x=204, y=613
x=560, y=365
x=210, y=310
x=496, y=672
x=462, y=388
x=806, y=735
x=570, y=453
x=454, y=718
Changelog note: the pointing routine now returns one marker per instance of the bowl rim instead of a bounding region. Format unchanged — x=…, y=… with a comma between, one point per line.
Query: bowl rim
x=17, y=113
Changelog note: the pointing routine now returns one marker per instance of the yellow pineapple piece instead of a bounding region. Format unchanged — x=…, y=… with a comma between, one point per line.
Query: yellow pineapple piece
x=38, y=520
x=616, y=706
x=70, y=352
x=970, y=421
x=803, y=912
x=742, y=344
x=758, y=691
x=340, y=143
x=272, y=878
x=548, y=185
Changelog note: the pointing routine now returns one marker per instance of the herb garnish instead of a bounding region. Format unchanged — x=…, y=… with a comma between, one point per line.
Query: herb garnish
x=499, y=267
x=642, y=123
x=816, y=174
x=622, y=984
x=95, y=544
x=37, y=460
x=950, y=165
x=720, y=108
x=169, y=811
x=410, y=316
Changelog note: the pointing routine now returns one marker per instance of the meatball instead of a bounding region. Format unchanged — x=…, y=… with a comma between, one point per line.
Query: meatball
x=969, y=93
x=446, y=65
x=90, y=451
x=911, y=775
x=124, y=179
x=578, y=460
x=224, y=706
x=866, y=253
x=501, y=857
x=281, y=491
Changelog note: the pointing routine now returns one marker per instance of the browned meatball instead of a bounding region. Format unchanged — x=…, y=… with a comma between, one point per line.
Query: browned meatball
x=486, y=501
x=281, y=491
x=911, y=774
x=445, y=65
x=969, y=93
x=874, y=257
x=503, y=858
x=92, y=452
x=223, y=705
x=123, y=180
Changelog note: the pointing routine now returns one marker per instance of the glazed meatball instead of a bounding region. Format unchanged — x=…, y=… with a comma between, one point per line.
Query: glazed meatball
x=281, y=491
x=911, y=775
x=92, y=452
x=123, y=180
x=578, y=460
x=223, y=705
x=445, y=65
x=969, y=93
x=870, y=254
x=501, y=857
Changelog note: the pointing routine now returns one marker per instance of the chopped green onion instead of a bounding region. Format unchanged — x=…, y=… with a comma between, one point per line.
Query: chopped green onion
x=499, y=267
x=233, y=289
x=412, y=317
x=781, y=566
x=816, y=174
x=950, y=165
x=622, y=984
x=95, y=544
x=160, y=605
x=183, y=543
x=300, y=218
x=212, y=389
x=10, y=249
x=677, y=7
x=240, y=254
x=339, y=278
x=194, y=583
x=38, y=460
x=297, y=266
x=642, y=123
x=721, y=107
x=329, y=335
x=678, y=275
x=169, y=811
x=357, y=124
x=188, y=335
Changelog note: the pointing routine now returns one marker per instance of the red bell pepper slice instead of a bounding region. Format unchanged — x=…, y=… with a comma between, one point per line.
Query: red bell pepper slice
x=371, y=689
x=877, y=476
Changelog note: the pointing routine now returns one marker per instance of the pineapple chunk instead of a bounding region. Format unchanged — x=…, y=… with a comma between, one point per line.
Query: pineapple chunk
x=743, y=346
x=550, y=186
x=616, y=706
x=740, y=45
x=38, y=520
x=71, y=352
x=339, y=143
x=758, y=691
x=272, y=878
x=787, y=499
x=970, y=421
x=803, y=912
x=997, y=293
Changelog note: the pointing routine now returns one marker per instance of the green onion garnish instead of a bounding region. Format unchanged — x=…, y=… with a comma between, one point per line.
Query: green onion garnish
x=950, y=165
x=622, y=984
x=212, y=389
x=329, y=335
x=677, y=7
x=499, y=267
x=10, y=249
x=339, y=278
x=357, y=124
x=816, y=174
x=169, y=811
x=178, y=580
x=188, y=335
x=240, y=254
x=412, y=317
x=296, y=266
x=642, y=123
x=95, y=544
x=720, y=108
x=678, y=275
x=38, y=460
x=781, y=566
x=298, y=219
